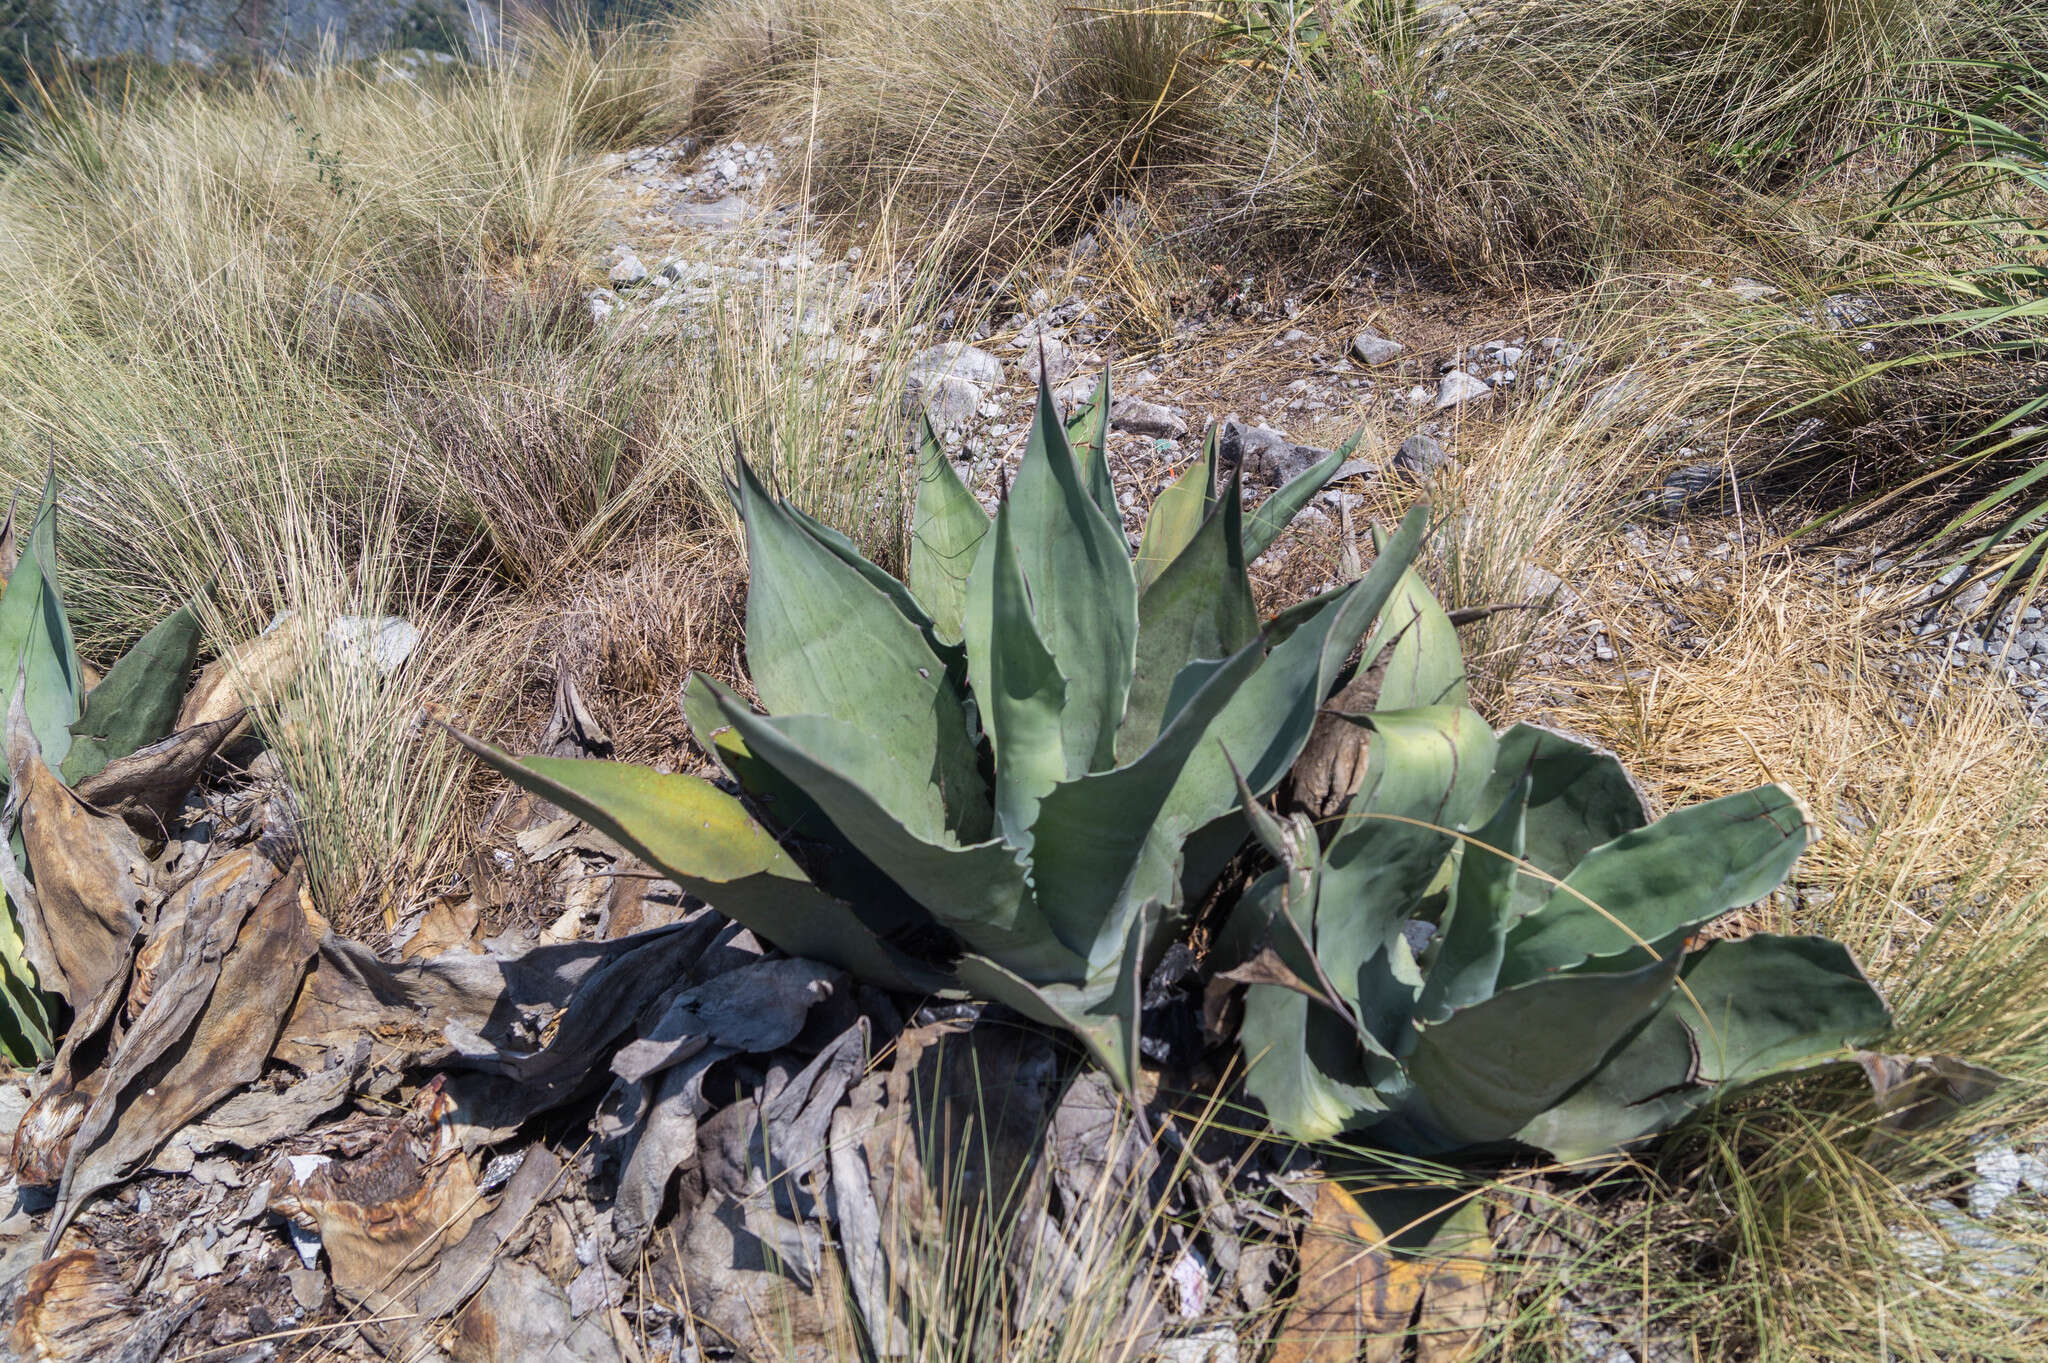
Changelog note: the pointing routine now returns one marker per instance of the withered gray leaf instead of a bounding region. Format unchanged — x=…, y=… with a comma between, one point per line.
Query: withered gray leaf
x=211, y=1019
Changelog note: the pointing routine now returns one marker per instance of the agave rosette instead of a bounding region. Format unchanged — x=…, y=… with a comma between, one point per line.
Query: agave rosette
x=1005, y=774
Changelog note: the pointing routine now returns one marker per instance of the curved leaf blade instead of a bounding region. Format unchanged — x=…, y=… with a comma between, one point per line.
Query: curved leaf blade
x=946, y=527
x=1024, y=696
x=1083, y=594
x=701, y=838
x=1268, y=720
x=137, y=702
x=823, y=638
x=1685, y=870
x=1283, y=506
x=1176, y=515
x=1199, y=609
x=1483, y=1073
x=37, y=655
x=1580, y=797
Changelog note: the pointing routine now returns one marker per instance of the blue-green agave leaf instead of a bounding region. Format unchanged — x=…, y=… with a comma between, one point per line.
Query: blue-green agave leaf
x=1176, y=515
x=1484, y=1073
x=1088, y=437
x=823, y=638
x=1464, y=963
x=1268, y=720
x=1685, y=870
x=1102, y=1012
x=1284, y=505
x=1424, y=663
x=1199, y=609
x=1077, y=563
x=37, y=656
x=1580, y=797
x=1426, y=770
x=1748, y=1010
x=1089, y=862
x=945, y=529
x=137, y=702
x=1022, y=696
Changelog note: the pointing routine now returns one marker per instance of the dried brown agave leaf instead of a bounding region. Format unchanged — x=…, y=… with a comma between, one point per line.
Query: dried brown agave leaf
x=213, y=1015
x=72, y=1306
x=145, y=788
x=520, y=1315
x=250, y=673
x=385, y=1215
x=447, y=925
x=1356, y=1299
x=92, y=883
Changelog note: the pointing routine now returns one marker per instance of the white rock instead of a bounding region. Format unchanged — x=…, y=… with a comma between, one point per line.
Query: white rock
x=960, y=360
x=1370, y=348
x=946, y=401
x=382, y=641
x=1071, y=394
x=1056, y=357
x=1218, y=1345
x=1153, y=419
x=1459, y=387
x=1611, y=400
x=1999, y=1171
x=602, y=305
x=628, y=272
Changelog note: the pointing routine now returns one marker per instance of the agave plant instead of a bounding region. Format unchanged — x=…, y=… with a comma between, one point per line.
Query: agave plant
x=77, y=730
x=1006, y=774
x=1496, y=944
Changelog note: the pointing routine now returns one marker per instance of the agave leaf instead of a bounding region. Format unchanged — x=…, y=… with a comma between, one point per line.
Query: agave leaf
x=1767, y=1005
x=1485, y=1072
x=945, y=528
x=1688, y=868
x=1284, y=505
x=703, y=839
x=979, y=891
x=1269, y=718
x=847, y=552
x=1077, y=562
x=1097, y=851
x=1649, y=1085
x=1750, y=1009
x=1102, y=1013
x=1176, y=515
x=1022, y=698
x=1579, y=798
x=1466, y=961
x=25, y=1036
x=824, y=639
x=1425, y=772
x=1302, y=1060
x=792, y=811
x=36, y=652
x=1425, y=665
x=1200, y=609
x=137, y=702
x=1088, y=436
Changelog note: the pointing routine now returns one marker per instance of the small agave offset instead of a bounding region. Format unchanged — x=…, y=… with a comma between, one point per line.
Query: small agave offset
x=1005, y=775
x=1556, y=1001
